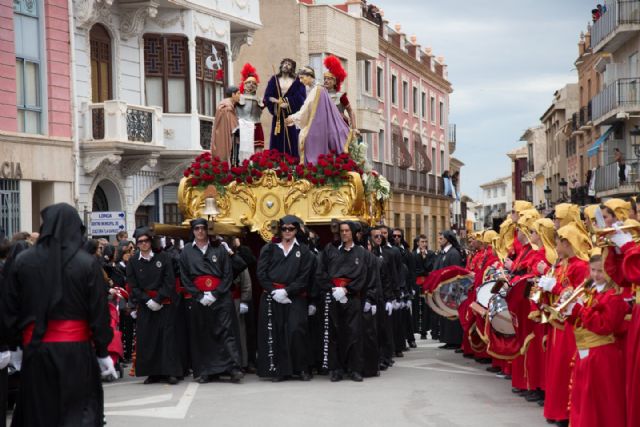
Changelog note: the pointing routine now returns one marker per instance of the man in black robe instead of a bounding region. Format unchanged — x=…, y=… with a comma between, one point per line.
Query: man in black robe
x=341, y=275
x=405, y=324
x=152, y=281
x=423, y=260
x=10, y=353
x=450, y=330
x=388, y=285
x=283, y=332
x=370, y=347
x=206, y=273
x=57, y=300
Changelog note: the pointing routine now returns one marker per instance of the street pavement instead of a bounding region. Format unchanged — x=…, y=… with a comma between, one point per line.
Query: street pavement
x=428, y=387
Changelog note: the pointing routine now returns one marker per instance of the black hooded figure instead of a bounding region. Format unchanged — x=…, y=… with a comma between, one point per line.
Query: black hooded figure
x=206, y=274
x=341, y=276
x=283, y=332
x=57, y=300
x=152, y=280
x=450, y=254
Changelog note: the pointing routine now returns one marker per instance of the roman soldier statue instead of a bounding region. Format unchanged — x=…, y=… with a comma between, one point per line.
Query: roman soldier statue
x=249, y=110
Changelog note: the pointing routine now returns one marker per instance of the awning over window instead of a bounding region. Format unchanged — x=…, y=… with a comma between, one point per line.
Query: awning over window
x=596, y=146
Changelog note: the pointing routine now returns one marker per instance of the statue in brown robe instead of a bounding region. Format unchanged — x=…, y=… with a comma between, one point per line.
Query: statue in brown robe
x=226, y=124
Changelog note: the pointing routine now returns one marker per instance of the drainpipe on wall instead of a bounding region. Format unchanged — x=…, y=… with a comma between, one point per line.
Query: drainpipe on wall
x=74, y=121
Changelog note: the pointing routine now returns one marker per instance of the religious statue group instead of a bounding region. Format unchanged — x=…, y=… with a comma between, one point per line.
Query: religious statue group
x=308, y=119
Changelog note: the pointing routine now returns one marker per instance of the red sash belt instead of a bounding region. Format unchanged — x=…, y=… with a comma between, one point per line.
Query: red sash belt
x=153, y=294
x=60, y=331
x=181, y=290
x=206, y=283
x=340, y=282
x=283, y=286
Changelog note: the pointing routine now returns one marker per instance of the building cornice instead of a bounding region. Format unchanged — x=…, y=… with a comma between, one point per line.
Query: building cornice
x=31, y=139
x=218, y=14
x=415, y=65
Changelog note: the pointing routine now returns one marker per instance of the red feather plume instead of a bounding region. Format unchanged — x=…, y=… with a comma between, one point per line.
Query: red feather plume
x=334, y=66
x=248, y=70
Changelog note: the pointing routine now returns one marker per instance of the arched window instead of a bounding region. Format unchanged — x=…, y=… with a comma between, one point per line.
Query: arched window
x=100, y=40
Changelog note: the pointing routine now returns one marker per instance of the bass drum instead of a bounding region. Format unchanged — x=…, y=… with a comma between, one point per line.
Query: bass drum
x=452, y=293
x=500, y=317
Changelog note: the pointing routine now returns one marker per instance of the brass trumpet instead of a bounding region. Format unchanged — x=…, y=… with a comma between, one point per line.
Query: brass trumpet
x=601, y=234
x=557, y=312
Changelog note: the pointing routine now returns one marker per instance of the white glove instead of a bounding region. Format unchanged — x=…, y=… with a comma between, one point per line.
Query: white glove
x=389, y=307
x=134, y=314
x=367, y=307
x=547, y=283
x=395, y=304
x=207, y=299
x=340, y=295
x=16, y=359
x=312, y=310
x=279, y=295
x=5, y=358
x=106, y=367
x=374, y=309
x=153, y=306
x=226, y=246
x=408, y=305
x=621, y=238
x=244, y=308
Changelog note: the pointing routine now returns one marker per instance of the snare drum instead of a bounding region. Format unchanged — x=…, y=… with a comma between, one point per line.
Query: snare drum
x=483, y=293
x=500, y=317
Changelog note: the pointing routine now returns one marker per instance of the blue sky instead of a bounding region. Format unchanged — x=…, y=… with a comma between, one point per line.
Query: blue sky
x=506, y=58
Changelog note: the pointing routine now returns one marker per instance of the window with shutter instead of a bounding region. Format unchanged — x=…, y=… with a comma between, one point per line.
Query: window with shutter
x=166, y=66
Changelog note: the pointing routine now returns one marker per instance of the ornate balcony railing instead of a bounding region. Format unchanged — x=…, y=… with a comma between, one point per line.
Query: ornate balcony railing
x=122, y=122
x=206, y=132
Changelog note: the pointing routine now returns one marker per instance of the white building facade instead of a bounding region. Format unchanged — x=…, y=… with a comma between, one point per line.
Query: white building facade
x=495, y=201
x=147, y=78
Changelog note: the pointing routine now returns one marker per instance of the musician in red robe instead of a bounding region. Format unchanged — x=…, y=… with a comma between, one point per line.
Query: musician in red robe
x=543, y=236
x=598, y=387
x=629, y=264
x=573, y=247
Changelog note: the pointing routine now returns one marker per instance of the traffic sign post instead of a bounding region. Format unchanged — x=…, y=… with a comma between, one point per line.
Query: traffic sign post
x=106, y=223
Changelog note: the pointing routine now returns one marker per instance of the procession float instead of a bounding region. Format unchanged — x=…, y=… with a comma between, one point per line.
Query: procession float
x=316, y=169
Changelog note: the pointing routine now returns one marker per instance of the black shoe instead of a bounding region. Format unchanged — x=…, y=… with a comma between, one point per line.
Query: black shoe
x=356, y=377
x=278, y=379
x=540, y=402
x=305, y=376
x=203, y=379
x=535, y=396
x=423, y=337
x=468, y=356
x=399, y=354
x=151, y=379
x=335, y=376
x=383, y=366
x=458, y=350
x=172, y=380
x=507, y=377
x=517, y=390
x=550, y=421
x=236, y=375
x=483, y=361
x=493, y=369
x=563, y=423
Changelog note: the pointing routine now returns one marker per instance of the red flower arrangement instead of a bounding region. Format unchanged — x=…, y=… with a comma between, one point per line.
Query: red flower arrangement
x=332, y=169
